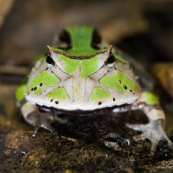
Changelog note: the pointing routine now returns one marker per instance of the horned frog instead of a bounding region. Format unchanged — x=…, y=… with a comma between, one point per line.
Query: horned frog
x=83, y=74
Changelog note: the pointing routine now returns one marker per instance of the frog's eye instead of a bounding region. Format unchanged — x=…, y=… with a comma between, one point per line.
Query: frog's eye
x=49, y=60
x=110, y=61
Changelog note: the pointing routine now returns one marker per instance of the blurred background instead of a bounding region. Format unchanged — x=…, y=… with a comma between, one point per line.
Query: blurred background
x=143, y=28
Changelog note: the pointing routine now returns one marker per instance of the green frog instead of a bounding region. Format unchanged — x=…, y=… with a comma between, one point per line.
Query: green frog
x=82, y=74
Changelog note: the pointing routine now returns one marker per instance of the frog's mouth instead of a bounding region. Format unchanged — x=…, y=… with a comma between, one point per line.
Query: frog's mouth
x=78, y=111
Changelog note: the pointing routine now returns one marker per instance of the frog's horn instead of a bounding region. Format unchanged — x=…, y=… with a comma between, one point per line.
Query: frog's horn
x=50, y=48
x=109, y=49
x=53, y=50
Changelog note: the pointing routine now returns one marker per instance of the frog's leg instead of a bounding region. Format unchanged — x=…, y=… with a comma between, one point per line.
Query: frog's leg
x=154, y=130
x=37, y=118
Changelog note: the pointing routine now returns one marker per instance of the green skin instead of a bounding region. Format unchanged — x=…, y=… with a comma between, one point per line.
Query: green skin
x=84, y=78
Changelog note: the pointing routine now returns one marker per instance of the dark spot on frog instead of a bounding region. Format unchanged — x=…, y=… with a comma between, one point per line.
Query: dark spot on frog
x=51, y=100
x=125, y=87
x=32, y=89
x=56, y=102
x=35, y=88
x=47, y=68
x=99, y=103
x=119, y=81
x=41, y=84
x=130, y=90
x=113, y=99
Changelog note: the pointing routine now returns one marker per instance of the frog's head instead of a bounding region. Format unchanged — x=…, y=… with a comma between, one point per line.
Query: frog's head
x=87, y=64
x=79, y=44
x=81, y=75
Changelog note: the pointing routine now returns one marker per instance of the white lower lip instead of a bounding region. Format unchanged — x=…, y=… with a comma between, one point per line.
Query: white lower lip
x=87, y=106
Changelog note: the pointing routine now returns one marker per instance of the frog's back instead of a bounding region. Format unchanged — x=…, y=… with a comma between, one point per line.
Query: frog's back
x=81, y=74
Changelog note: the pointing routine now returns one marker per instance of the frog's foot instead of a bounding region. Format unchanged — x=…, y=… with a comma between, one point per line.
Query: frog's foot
x=153, y=131
x=41, y=120
x=38, y=119
x=36, y=129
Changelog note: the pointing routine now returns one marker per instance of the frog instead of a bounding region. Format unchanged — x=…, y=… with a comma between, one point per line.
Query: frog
x=82, y=74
